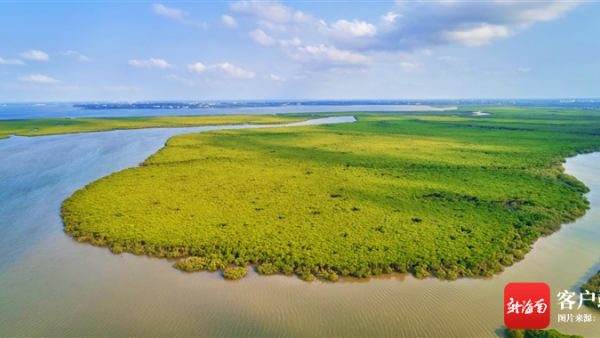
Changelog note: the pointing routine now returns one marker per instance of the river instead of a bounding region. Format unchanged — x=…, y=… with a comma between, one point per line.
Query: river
x=56, y=110
x=53, y=286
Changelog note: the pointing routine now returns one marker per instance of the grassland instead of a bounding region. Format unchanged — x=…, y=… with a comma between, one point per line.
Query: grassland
x=39, y=127
x=445, y=195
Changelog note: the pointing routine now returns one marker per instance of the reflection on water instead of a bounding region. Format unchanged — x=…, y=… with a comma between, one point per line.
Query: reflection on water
x=58, y=287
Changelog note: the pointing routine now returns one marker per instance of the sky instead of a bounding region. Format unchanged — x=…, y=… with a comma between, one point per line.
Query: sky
x=262, y=50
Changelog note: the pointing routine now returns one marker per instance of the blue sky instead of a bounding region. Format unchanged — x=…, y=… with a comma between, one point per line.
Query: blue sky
x=86, y=51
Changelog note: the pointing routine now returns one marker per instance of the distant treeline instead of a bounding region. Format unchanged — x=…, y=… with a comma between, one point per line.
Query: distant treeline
x=582, y=103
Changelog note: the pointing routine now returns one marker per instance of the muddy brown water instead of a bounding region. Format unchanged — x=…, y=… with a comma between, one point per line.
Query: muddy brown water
x=53, y=286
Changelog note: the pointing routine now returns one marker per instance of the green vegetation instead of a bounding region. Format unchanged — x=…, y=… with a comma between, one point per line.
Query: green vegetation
x=510, y=333
x=39, y=127
x=191, y=264
x=593, y=286
x=235, y=272
x=444, y=195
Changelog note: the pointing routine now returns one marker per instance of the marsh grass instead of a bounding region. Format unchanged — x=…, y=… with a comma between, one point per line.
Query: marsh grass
x=448, y=196
x=54, y=126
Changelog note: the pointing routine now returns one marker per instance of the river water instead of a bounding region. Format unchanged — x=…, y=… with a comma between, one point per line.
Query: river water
x=11, y=112
x=53, y=286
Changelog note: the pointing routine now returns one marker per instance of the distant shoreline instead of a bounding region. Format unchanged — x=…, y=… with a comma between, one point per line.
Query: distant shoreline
x=267, y=104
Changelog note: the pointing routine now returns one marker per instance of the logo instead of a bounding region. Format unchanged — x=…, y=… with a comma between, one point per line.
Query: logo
x=527, y=305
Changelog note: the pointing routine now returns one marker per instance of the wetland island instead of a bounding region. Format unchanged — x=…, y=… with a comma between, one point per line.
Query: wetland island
x=450, y=194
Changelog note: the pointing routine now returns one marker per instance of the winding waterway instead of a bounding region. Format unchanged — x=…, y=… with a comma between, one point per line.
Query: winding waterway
x=53, y=286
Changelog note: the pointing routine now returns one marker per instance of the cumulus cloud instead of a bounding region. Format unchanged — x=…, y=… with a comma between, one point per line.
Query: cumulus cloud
x=197, y=67
x=467, y=23
x=77, y=55
x=327, y=57
x=178, y=15
x=229, y=21
x=151, y=63
x=262, y=38
x=524, y=70
x=38, y=78
x=224, y=69
x=349, y=34
x=477, y=36
x=12, y=62
x=355, y=28
x=409, y=28
x=389, y=17
x=411, y=25
x=232, y=71
x=290, y=43
x=270, y=11
x=35, y=55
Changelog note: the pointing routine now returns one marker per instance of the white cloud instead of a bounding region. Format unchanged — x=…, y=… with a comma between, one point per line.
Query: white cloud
x=232, y=71
x=38, y=78
x=229, y=21
x=177, y=14
x=271, y=11
x=470, y=23
x=295, y=42
x=352, y=35
x=356, y=28
x=327, y=57
x=35, y=55
x=197, y=67
x=478, y=36
x=274, y=77
x=119, y=88
x=262, y=38
x=76, y=54
x=12, y=62
x=524, y=70
x=224, y=69
x=411, y=25
x=411, y=67
x=272, y=26
x=389, y=17
x=546, y=11
x=151, y=63
x=172, y=13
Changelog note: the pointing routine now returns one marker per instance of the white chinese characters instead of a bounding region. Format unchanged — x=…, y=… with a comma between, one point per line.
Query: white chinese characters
x=526, y=307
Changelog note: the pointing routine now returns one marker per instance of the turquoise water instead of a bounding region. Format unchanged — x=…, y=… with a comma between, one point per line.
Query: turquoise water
x=54, y=286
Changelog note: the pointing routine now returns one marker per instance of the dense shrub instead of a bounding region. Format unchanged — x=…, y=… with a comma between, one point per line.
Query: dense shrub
x=448, y=196
x=267, y=269
x=235, y=272
x=199, y=263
